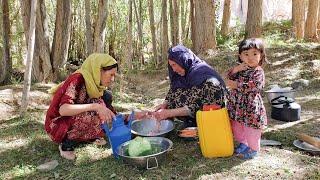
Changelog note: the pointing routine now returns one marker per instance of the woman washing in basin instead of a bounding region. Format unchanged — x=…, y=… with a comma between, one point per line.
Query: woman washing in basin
x=80, y=104
x=193, y=83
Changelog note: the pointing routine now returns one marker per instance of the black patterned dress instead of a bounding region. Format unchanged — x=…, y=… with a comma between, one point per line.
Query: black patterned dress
x=245, y=103
x=209, y=92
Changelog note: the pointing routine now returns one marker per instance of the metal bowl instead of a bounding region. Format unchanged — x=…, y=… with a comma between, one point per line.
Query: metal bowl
x=151, y=127
x=149, y=161
x=307, y=147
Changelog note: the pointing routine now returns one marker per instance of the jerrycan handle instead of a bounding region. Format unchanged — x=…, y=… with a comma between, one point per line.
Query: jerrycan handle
x=130, y=119
x=105, y=128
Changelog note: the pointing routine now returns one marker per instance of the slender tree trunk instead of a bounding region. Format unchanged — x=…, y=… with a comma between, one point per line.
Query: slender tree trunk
x=89, y=34
x=193, y=24
x=254, y=19
x=164, y=37
x=41, y=66
x=311, y=22
x=298, y=18
x=318, y=26
x=31, y=44
x=5, y=62
x=226, y=17
x=153, y=32
x=176, y=22
x=140, y=40
x=61, y=39
x=205, y=31
x=100, y=28
x=129, y=37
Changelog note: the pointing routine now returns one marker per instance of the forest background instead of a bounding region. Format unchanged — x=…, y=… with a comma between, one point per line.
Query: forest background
x=138, y=34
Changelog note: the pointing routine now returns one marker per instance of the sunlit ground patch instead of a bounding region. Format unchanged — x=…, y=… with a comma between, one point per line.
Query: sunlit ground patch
x=92, y=153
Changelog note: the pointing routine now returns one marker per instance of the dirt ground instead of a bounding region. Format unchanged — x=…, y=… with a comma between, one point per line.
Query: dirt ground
x=146, y=89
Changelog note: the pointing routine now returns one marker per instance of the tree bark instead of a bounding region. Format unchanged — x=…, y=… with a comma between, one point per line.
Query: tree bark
x=311, y=22
x=6, y=63
x=153, y=32
x=30, y=52
x=226, y=17
x=140, y=36
x=41, y=66
x=318, y=26
x=175, y=37
x=254, y=19
x=205, y=24
x=174, y=22
x=129, y=39
x=298, y=18
x=164, y=37
x=192, y=24
x=61, y=39
x=89, y=34
x=100, y=28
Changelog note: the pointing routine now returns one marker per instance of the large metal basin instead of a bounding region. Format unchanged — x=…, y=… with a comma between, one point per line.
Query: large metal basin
x=151, y=127
x=150, y=161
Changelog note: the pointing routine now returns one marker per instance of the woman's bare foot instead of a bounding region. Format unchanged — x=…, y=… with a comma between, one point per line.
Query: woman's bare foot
x=70, y=155
x=100, y=142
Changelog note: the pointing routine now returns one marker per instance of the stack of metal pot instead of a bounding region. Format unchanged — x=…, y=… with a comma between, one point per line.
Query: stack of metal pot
x=283, y=105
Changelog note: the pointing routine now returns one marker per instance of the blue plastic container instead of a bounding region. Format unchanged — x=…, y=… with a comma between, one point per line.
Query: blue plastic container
x=119, y=133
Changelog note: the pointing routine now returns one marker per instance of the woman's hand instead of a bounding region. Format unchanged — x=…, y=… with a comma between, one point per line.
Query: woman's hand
x=164, y=105
x=231, y=84
x=142, y=114
x=162, y=114
x=104, y=113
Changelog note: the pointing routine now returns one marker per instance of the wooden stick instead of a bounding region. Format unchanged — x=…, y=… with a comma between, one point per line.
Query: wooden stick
x=311, y=140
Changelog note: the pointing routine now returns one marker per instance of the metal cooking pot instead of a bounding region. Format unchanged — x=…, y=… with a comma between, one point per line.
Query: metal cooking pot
x=271, y=94
x=151, y=127
x=149, y=161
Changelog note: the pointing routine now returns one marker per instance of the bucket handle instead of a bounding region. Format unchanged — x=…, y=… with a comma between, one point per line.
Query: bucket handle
x=155, y=159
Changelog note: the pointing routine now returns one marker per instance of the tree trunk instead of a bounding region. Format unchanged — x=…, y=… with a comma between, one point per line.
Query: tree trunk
x=41, y=66
x=192, y=24
x=153, y=32
x=100, y=28
x=173, y=22
x=129, y=38
x=31, y=44
x=164, y=37
x=298, y=18
x=205, y=24
x=61, y=39
x=318, y=26
x=140, y=36
x=89, y=34
x=5, y=61
x=254, y=19
x=176, y=22
x=311, y=22
x=226, y=17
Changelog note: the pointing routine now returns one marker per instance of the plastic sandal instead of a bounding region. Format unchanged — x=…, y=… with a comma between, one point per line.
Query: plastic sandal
x=241, y=148
x=100, y=142
x=250, y=154
x=70, y=155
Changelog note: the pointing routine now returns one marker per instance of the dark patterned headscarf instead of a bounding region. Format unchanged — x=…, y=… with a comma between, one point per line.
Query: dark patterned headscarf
x=197, y=71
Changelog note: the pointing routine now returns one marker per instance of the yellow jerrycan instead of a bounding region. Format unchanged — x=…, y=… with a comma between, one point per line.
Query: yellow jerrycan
x=215, y=134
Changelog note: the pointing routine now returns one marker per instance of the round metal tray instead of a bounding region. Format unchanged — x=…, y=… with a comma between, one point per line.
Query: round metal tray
x=306, y=146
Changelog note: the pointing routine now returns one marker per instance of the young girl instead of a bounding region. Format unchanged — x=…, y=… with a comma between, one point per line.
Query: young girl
x=245, y=105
